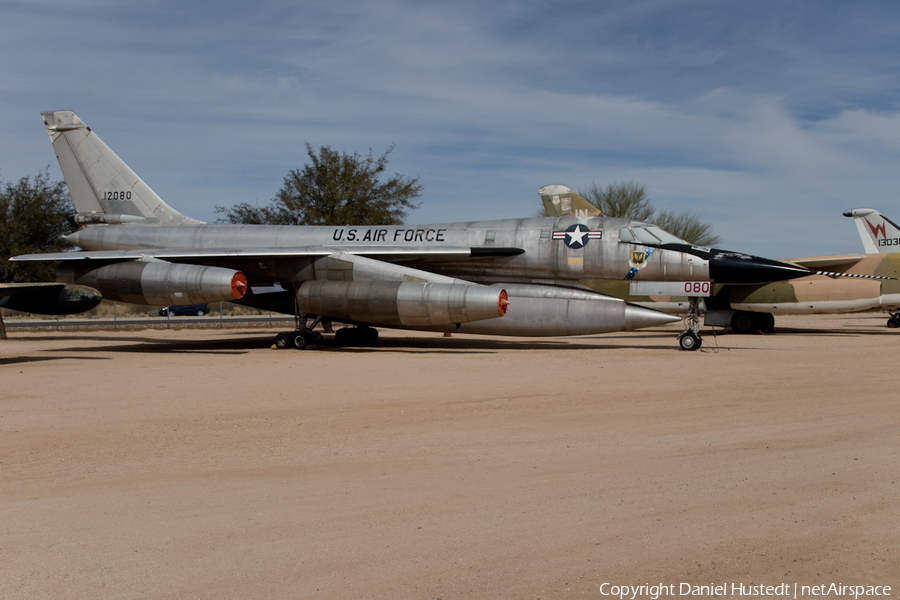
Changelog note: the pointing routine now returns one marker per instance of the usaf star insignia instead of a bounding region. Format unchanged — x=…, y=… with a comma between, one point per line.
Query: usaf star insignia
x=576, y=236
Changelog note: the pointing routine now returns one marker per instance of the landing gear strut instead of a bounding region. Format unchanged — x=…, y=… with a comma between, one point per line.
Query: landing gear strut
x=303, y=336
x=690, y=338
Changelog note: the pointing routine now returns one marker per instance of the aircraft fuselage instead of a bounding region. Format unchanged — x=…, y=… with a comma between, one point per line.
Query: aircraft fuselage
x=510, y=249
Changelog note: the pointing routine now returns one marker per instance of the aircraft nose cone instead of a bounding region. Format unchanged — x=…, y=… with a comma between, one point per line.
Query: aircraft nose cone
x=735, y=267
x=637, y=317
x=79, y=298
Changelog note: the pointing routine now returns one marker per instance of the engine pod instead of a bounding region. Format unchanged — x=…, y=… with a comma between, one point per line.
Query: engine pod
x=157, y=282
x=402, y=304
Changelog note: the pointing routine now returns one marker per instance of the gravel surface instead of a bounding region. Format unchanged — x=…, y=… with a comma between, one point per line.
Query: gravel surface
x=203, y=464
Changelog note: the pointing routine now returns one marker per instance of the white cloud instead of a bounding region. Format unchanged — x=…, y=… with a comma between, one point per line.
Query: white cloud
x=759, y=116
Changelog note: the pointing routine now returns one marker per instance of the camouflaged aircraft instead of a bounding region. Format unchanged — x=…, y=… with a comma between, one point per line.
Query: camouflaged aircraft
x=878, y=233
x=839, y=283
x=517, y=277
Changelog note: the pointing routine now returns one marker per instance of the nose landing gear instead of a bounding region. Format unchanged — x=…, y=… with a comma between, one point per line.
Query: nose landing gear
x=690, y=338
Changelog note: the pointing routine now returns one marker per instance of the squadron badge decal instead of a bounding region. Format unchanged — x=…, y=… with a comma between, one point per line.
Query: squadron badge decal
x=638, y=261
x=577, y=236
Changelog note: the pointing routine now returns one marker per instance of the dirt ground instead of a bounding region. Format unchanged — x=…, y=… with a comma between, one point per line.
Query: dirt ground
x=202, y=464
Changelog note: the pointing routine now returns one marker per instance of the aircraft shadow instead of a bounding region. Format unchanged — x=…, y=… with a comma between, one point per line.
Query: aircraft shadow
x=136, y=344
x=459, y=344
x=15, y=360
x=834, y=332
x=66, y=345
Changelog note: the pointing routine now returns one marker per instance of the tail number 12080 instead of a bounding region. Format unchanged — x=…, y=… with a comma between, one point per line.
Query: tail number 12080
x=117, y=195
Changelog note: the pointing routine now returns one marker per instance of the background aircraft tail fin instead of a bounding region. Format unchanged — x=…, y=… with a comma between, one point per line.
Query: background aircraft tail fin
x=561, y=201
x=99, y=181
x=878, y=233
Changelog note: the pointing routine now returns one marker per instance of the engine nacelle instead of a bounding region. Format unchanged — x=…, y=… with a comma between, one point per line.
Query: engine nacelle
x=56, y=299
x=402, y=304
x=157, y=282
x=551, y=311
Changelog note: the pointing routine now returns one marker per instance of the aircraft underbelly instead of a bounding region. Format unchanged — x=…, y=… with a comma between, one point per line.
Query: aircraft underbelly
x=808, y=308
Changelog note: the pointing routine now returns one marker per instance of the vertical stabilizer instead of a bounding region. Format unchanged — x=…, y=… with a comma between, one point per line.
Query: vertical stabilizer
x=878, y=233
x=560, y=201
x=98, y=180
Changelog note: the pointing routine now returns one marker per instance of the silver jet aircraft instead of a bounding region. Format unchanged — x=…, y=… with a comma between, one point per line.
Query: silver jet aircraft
x=839, y=283
x=517, y=277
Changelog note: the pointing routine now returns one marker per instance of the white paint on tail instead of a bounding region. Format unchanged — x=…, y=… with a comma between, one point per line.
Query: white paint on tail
x=98, y=180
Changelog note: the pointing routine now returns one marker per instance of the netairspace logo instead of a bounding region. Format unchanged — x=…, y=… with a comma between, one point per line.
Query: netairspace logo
x=737, y=590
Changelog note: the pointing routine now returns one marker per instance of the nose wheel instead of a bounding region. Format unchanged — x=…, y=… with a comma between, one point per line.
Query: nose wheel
x=690, y=341
x=690, y=338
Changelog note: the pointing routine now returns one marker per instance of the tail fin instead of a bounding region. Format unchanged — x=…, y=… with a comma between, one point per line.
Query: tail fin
x=99, y=181
x=560, y=201
x=878, y=233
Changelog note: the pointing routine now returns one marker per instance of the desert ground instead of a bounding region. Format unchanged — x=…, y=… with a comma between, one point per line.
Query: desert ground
x=200, y=463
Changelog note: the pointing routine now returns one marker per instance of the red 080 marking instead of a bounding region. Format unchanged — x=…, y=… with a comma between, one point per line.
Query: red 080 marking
x=696, y=287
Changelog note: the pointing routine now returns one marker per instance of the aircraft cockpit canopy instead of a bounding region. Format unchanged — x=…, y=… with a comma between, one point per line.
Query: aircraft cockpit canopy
x=650, y=235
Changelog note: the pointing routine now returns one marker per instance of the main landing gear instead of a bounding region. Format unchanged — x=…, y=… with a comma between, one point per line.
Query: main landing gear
x=894, y=321
x=690, y=338
x=307, y=339
x=746, y=322
x=302, y=338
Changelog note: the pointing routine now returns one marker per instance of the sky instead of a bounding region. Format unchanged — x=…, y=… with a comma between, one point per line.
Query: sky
x=767, y=118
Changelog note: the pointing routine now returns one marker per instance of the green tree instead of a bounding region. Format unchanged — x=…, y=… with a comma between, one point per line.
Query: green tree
x=629, y=200
x=334, y=189
x=32, y=219
x=688, y=226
